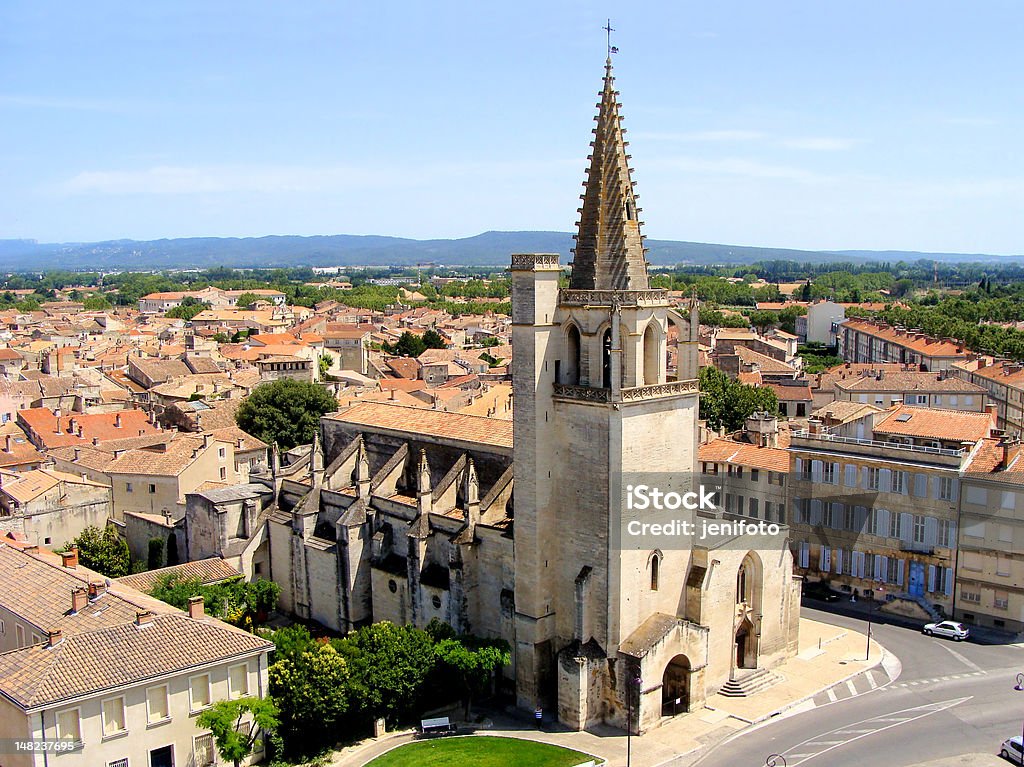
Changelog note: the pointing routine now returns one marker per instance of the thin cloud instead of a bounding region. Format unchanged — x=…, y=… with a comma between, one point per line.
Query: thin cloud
x=733, y=166
x=820, y=144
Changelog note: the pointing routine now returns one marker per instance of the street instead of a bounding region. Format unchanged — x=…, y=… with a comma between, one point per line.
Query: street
x=951, y=698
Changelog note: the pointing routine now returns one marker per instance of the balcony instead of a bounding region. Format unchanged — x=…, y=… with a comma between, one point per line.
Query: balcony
x=570, y=297
x=877, y=448
x=631, y=394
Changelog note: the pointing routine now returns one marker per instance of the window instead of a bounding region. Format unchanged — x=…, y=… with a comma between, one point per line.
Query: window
x=977, y=495
x=945, y=533
x=113, y=717
x=21, y=636
x=68, y=726
x=899, y=482
x=829, y=473
x=118, y=763
x=894, y=524
x=199, y=692
x=918, y=528
x=128, y=487
x=222, y=452
x=872, y=481
x=849, y=518
x=755, y=475
x=655, y=571
x=202, y=746
x=768, y=510
x=156, y=704
x=975, y=530
x=238, y=681
x=1002, y=564
x=969, y=401
x=752, y=507
x=728, y=502
x=945, y=488
x=223, y=473
x=1001, y=600
x=774, y=477
x=970, y=596
x=152, y=489
x=1009, y=500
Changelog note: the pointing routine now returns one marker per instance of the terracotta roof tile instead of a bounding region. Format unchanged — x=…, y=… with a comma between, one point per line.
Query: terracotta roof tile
x=434, y=423
x=936, y=424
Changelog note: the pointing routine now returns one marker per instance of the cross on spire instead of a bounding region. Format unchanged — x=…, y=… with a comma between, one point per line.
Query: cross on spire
x=608, y=28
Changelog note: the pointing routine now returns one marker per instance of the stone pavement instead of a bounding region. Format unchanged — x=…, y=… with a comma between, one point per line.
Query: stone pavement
x=829, y=657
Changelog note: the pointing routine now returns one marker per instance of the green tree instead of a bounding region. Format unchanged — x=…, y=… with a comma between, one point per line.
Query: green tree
x=325, y=362
x=234, y=737
x=388, y=666
x=190, y=306
x=155, y=560
x=246, y=300
x=408, y=345
x=433, y=340
x=236, y=601
x=286, y=412
x=96, y=304
x=727, y=403
x=473, y=662
x=311, y=689
x=104, y=551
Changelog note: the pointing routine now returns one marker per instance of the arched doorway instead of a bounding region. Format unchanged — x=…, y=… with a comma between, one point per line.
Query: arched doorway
x=675, y=687
x=746, y=645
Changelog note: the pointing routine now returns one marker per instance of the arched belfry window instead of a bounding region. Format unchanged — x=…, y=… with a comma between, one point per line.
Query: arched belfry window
x=572, y=342
x=655, y=570
x=606, y=359
x=630, y=209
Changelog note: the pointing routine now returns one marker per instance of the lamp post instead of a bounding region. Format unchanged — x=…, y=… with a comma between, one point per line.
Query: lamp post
x=871, y=612
x=637, y=680
x=1019, y=687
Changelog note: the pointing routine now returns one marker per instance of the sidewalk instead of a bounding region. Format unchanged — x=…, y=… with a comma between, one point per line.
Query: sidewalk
x=829, y=655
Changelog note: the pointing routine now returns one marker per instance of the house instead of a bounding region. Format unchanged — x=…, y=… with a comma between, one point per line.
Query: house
x=52, y=508
x=113, y=670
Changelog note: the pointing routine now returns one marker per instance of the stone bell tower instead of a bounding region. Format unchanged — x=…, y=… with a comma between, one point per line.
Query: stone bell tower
x=594, y=399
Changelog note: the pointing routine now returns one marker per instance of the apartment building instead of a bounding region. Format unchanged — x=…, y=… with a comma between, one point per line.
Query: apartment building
x=1003, y=382
x=861, y=340
x=942, y=390
x=881, y=511
x=118, y=673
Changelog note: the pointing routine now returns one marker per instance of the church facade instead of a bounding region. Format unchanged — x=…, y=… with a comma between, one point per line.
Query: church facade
x=513, y=530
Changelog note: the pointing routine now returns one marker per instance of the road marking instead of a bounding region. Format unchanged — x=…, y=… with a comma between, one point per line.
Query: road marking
x=831, y=694
x=870, y=676
x=969, y=663
x=894, y=719
x=850, y=687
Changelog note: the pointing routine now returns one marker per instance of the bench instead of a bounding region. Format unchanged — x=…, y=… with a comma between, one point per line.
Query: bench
x=438, y=726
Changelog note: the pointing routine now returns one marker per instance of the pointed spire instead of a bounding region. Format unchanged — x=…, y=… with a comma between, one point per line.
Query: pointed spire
x=609, y=253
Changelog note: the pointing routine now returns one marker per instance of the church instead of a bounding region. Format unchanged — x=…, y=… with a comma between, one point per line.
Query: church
x=514, y=529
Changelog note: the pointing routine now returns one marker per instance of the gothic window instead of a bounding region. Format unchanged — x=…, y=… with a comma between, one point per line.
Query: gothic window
x=655, y=570
x=606, y=360
x=652, y=356
x=630, y=210
x=572, y=366
x=741, y=584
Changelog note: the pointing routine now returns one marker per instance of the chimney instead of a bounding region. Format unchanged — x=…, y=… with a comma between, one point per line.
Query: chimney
x=69, y=559
x=117, y=420
x=79, y=599
x=238, y=443
x=196, y=611
x=206, y=441
x=78, y=453
x=95, y=441
x=7, y=443
x=143, y=618
x=53, y=638
x=96, y=589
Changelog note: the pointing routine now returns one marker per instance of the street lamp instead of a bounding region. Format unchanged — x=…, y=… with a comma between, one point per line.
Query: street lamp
x=775, y=760
x=1019, y=687
x=629, y=710
x=871, y=612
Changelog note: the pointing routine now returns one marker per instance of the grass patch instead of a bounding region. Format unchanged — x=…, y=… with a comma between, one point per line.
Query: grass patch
x=480, y=751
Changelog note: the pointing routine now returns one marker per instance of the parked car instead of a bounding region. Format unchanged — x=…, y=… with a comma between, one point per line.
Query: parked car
x=1012, y=750
x=949, y=629
x=821, y=591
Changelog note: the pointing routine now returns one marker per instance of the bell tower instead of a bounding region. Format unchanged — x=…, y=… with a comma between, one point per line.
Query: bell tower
x=594, y=400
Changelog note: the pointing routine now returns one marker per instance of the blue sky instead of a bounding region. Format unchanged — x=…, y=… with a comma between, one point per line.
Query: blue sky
x=819, y=125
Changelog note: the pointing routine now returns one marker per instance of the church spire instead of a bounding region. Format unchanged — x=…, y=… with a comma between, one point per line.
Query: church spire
x=609, y=252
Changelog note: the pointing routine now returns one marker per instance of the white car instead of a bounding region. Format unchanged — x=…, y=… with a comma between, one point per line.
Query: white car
x=1011, y=749
x=951, y=629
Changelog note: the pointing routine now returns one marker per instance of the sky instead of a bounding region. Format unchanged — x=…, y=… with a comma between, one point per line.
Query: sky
x=812, y=125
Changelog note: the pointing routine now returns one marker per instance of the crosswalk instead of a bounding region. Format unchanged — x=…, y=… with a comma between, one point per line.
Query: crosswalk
x=878, y=679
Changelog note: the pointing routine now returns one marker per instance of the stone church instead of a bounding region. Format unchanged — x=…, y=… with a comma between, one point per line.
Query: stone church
x=511, y=529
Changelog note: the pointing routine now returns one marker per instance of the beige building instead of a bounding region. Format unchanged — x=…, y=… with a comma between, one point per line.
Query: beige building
x=941, y=390
x=860, y=340
x=51, y=508
x=118, y=673
x=1003, y=381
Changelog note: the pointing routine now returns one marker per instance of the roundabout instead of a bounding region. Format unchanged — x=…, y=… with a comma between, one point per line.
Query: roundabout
x=481, y=751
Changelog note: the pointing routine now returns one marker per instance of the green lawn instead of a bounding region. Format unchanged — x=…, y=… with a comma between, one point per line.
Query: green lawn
x=479, y=751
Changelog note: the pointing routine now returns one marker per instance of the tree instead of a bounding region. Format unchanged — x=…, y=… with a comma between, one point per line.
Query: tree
x=233, y=737
x=104, y=551
x=432, y=340
x=408, y=345
x=311, y=689
x=473, y=662
x=246, y=300
x=286, y=412
x=727, y=403
x=96, y=303
x=155, y=560
x=325, y=362
x=243, y=604
x=190, y=306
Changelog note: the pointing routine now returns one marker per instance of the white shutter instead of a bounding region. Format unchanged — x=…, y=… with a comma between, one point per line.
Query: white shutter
x=825, y=563
x=921, y=485
x=878, y=566
x=881, y=522
x=864, y=477
x=839, y=561
x=884, y=480
x=936, y=491
x=799, y=466
x=815, y=512
x=860, y=518
x=899, y=572
x=851, y=475
x=956, y=489
x=837, y=516
x=816, y=471
x=931, y=531
x=906, y=527
x=948, y=590
x=931, y=579
x=805, y=553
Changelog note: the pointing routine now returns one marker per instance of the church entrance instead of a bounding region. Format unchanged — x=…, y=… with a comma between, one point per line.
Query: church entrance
x=675, y=687
x=746, y=646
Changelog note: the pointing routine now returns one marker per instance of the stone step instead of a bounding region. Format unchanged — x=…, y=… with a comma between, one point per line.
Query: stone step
x=749, y=683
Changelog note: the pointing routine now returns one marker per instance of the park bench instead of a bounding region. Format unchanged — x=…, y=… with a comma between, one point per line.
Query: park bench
x=439, y=726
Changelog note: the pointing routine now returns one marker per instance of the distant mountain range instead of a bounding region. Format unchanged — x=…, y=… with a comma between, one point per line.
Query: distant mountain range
x=487, y=249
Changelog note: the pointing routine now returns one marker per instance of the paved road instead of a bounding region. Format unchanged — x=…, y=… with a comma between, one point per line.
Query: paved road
x=950, y=698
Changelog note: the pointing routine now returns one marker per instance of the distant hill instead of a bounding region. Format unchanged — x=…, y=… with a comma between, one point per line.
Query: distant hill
x=487, y=249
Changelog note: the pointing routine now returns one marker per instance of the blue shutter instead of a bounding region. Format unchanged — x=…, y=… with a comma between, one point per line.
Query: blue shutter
x=899, y=572
x=948, y=591
x=851, y=475
x=884, y=480
x=881, y=523
x=816, y=471
x=931, y=579
x=839, y=561
x=906, y=527
x=921, y=485
x=931, y=531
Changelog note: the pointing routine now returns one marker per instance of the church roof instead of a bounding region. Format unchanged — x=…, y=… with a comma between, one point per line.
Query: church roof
x=609, y=252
